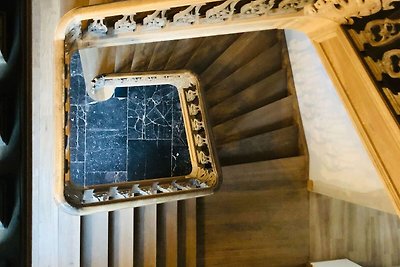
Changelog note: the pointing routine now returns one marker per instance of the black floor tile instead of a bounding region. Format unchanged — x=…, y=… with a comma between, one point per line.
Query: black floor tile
x=137, y=134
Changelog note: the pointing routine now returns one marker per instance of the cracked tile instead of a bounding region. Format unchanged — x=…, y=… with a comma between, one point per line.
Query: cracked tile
x=137, y=134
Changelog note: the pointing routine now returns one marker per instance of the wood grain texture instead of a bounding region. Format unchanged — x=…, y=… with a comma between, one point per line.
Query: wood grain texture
x=123, y=58
x=265, y=64
x=145, y=236
x=142, y=56
x=268, y=90
x=69, y=241
x=182, y=52
x=271, y=145
x=187, y=233
x=259, y=217
x=161, y=55
x=94, y=240
x=339, y=229
x=121, y=238
x=45, y=212
x=167, y=234
x=243, y=50
x=268, y=118
x=209, y=49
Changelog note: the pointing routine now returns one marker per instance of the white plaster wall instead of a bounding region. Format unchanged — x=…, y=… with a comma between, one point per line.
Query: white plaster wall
x=339, y=164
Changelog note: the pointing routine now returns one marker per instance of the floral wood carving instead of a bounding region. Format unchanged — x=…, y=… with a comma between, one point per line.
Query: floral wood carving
x=390, y=64
x=126, y=24
x=342, y=11
x=157, y=20
x=377, y=33
x=257, y=8
x=294, y=4
x=98, y=27
x=188, y=16
x=222, y=12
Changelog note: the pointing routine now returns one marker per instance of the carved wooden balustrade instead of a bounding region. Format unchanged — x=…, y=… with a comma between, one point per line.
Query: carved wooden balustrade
x=202, y=179
x=378, y=40
x=129, y=22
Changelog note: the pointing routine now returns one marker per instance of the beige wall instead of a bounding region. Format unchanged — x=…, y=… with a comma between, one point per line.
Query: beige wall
x=339, y=164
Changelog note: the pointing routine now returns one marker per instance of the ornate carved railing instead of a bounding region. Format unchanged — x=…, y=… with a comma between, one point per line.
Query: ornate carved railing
x=97, y=26
x=203, y=177
x=377, y=39
x=129, y=22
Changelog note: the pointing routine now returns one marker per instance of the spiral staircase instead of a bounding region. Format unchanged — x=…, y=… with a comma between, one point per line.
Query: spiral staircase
x=262, y=202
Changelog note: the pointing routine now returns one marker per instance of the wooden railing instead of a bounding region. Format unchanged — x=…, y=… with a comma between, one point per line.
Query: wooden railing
x=139, y=22
x=204, y=175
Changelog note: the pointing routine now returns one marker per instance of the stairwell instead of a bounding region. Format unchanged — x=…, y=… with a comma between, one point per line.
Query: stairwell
x=259, y=215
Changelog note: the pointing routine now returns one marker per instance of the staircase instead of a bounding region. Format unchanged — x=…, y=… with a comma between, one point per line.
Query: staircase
x=259, y=216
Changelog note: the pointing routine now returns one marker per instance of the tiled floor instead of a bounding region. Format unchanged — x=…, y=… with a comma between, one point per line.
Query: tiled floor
x=137, y=134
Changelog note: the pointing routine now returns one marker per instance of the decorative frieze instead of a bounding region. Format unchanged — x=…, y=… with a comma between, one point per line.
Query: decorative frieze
x=188, y=16
x=98, y=27
x=222, y=12
x=126, y=24
x=191, y=95
x=208, y=176
x=157, y=20
x=203, y=158
x=293, y=5
x=257, y=8
x=199, y=140
x=342, y=11
x=193, y=109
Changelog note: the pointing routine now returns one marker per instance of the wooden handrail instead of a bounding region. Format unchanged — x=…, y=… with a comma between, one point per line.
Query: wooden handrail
x=320, y=20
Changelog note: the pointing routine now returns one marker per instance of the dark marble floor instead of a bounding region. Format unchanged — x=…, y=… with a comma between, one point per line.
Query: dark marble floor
x=137, y=134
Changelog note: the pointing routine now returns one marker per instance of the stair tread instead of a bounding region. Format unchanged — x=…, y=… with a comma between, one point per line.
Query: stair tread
x=263, y=65
x=123, y=58
x=142, y=56
x=262, y=93
x=268, y=169
x=182, y=52
x=271, y=145
x=276, y=115
x=162, y=53
x=208, y=51
x=248, y=46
